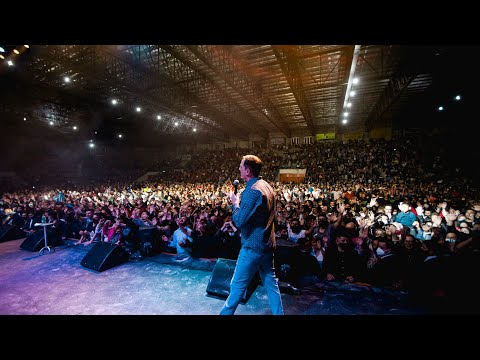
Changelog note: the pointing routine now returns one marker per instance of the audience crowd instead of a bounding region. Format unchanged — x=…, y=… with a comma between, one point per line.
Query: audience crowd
x=370, y=212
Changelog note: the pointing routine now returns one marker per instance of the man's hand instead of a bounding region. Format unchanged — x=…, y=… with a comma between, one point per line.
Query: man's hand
x=233, y=198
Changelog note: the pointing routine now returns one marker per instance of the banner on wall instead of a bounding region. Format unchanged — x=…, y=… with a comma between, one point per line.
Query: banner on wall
x=292, y=175
x=385, y=133
x=358, y=135
x=325, y=136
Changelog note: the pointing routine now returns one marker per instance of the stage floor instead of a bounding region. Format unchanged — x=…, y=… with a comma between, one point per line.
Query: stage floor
x=56, y=284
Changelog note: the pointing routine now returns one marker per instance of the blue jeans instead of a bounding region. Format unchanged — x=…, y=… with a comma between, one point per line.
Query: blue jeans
x=248, y=263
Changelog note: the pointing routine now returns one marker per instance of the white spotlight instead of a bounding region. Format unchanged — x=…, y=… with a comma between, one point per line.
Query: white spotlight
x=66, y=79
x=51, y=123
x=120, y=136
x=24, y=119
x=27, y=46
x=355, y=81
x=92, y=145
x=2, y=49
x=194, y=129
x=138, y=109
x=74, y=128
x=10, y=63
x=159, y=117
x=458, y=97
x=349, y=104
x=176, y=123
x=352, y=93
x=345, y=114
x=114, y=102
x=344, y=121
x=440, y=108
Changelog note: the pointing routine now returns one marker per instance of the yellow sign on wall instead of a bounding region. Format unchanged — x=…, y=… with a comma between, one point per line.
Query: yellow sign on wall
x=358, y=135
x=325, y=136
x=385, y=133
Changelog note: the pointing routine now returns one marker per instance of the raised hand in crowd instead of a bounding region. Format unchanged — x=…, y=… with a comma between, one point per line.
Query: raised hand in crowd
x=419, y=210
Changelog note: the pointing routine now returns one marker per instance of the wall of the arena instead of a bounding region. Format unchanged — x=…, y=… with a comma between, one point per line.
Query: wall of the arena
x=384, y=132
x=243, y=144
x=376, y=133
x=354, y=135
x=297, y=138
x=278, y=141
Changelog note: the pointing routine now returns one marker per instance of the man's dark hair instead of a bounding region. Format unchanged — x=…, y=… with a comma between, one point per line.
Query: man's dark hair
x=253, y=163
x=342, y=231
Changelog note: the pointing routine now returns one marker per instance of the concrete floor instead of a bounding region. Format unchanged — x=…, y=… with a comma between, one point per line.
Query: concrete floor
x=56, y=284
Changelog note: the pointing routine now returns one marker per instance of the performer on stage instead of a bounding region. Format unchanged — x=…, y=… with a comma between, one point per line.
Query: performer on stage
x=254, y=216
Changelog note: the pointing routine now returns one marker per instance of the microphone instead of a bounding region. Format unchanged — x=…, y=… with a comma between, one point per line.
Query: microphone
x=235, y=184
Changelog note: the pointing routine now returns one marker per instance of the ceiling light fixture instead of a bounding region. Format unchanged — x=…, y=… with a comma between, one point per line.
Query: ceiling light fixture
x=356, y=52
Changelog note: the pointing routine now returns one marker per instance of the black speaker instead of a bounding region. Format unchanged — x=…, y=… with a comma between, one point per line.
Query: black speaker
x=103, y=256
x=11, y=232
x=34, y=241
x=147, y=236
x=219, y=283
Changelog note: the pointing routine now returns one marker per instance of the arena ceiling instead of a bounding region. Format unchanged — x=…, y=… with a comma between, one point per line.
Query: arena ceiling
x=219, y=92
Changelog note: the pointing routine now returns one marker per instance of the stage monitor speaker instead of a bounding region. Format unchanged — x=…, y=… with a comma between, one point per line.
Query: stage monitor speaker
x=219, y=283
x=34, y=241
x=103, y=256
x=11, y=232
x=147, y=236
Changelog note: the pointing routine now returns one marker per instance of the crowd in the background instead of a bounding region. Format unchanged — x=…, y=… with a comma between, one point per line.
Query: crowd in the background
x=367, y=211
